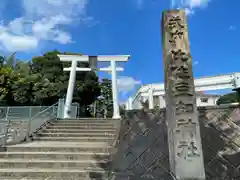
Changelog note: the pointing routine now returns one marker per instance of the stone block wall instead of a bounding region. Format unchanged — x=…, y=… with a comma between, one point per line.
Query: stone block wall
x=142, y=149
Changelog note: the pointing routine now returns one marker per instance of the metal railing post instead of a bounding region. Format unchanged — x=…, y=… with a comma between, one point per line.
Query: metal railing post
x=19, y=123
x=41, y=119
x=29, y=123
x=6, y=128
x=53, y=111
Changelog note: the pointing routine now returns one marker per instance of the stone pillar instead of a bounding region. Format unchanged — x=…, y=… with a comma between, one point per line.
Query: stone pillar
x=150, y=98
x=160, y=101
x=130, y=103
x=185, y=148
x=127, y=105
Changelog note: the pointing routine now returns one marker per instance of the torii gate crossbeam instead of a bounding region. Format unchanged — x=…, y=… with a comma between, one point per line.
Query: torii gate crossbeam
x=225, y=81
x=101, y=58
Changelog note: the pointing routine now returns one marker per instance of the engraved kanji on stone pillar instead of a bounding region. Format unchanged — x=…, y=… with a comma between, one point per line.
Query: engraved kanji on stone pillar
x=185, y=148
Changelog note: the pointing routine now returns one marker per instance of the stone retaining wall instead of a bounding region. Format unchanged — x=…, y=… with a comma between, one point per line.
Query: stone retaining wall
x=142, y=150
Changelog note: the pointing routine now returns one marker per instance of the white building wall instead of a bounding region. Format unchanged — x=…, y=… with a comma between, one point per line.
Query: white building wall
x=159, y=101
x=207, y=100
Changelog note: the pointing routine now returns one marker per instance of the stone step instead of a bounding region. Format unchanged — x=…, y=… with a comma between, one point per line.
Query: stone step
x=55, y=164
x=107, y=148
x=83, y=131
x=112, y=176
x=50, y=174
x=58, y=146
x=56, y=155
x=74, y=139
x=91, y=119
x=55, y=178
x=86, y=135
x=87, y=121
x=81, y=127
x=39, y=178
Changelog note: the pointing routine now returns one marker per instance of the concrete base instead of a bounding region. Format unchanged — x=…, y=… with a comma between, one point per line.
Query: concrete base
x=66, y=114
x=116, y=117
x=66, y=117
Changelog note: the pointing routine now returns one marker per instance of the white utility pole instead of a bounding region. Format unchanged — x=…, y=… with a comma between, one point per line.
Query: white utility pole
x=101, y=58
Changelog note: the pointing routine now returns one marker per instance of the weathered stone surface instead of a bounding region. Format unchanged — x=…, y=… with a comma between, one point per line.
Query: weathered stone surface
x=184, y=141
x=143, y=146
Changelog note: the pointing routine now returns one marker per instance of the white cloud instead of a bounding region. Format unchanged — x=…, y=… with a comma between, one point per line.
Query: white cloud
x=63, y=37
x=189, y=11
x=189, y=5
x=41, y=21
x=139, y=3
x=195, y=63
x=49, y=8
x=232, y=28
x=17, y=43
x=46, y=28
x=126, y=84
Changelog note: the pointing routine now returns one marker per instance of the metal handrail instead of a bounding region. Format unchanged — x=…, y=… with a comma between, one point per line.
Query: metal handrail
x=45, y=110
x=33, y=127
x=16, y=127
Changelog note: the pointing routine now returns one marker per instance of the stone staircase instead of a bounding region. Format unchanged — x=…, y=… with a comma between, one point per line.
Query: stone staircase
x=64, y=150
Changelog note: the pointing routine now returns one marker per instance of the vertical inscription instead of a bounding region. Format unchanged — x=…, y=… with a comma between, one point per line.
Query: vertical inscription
x=181, y=88
x=183, y=107
x=186, y=145
x=184, y=135
x=179, y=69
x=175, y=29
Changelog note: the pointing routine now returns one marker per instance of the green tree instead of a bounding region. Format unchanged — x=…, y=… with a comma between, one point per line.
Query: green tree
x=42, y=81
x=229, y=98
x=104, y=103
x=22, y=88
x=49, y=78
x=10, y=60
x=1, y=61
x=7, y=78
x=55, y=83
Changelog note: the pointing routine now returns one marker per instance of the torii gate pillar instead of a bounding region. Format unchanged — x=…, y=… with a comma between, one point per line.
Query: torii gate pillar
x=116, y=113
x=70, y=90
x=77, y=58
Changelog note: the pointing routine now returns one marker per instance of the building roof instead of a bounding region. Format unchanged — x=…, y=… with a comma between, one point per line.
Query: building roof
x=207, y=95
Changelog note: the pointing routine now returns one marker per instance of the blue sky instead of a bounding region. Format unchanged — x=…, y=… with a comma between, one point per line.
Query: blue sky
x=123, y=27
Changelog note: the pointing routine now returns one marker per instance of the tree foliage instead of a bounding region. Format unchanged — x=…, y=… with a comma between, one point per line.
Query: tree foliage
x=104, y=103
x=229, y=98
x=42, y=81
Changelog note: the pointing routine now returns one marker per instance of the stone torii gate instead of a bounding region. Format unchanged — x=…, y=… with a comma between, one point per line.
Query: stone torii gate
x=93, y=63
